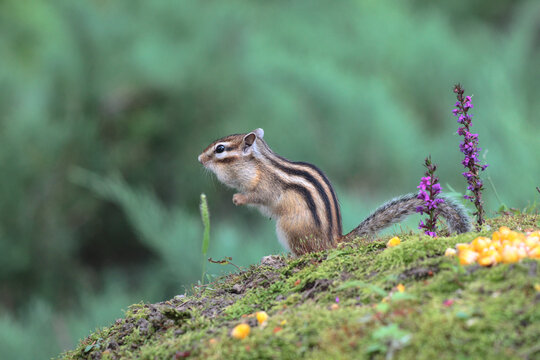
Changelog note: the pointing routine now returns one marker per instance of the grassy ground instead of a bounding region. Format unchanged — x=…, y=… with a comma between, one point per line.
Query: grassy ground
x=343, y=304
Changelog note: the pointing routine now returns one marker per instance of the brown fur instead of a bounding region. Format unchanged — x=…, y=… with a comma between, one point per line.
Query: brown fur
x=300, y=197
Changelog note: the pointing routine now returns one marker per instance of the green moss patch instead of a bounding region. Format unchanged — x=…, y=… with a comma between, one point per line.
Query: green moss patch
x=345, y=303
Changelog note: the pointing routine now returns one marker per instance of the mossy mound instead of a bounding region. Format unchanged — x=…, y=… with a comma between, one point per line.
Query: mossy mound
x=345, y=303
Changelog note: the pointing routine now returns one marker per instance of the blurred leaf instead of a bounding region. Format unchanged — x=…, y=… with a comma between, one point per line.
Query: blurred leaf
x=397, y=296
x=205, y=215
x=357, y=283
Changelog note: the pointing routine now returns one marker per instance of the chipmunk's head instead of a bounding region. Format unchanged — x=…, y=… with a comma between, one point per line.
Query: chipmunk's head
x=232, y=158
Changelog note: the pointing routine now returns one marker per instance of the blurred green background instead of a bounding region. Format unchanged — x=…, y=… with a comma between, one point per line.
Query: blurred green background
x=105, y=106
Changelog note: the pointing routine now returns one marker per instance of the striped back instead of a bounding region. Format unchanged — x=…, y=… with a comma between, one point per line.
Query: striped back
x=312, y=184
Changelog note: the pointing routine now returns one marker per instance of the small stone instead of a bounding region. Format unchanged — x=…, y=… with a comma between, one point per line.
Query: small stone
x=127, y=327
x=182, y=354
x=113, y=345
x=168, y=323
x=142, y=324
x=273, y=261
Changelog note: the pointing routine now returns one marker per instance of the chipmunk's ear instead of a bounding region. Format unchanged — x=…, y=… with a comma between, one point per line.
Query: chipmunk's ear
x=259, y=132
x=249, y=139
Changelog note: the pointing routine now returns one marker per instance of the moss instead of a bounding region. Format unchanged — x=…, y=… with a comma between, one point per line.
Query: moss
x=136, y=312
x=519, y=222
x=446, y=311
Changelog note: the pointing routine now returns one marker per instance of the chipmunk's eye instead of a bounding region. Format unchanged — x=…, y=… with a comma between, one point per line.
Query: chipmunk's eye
x=220, y=149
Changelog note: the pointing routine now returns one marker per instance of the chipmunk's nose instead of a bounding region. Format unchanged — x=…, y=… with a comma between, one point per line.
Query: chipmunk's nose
x=200, y=158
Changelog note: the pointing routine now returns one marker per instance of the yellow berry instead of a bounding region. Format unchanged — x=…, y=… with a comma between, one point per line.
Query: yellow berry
x=261, y=317
x=505, y=246
x=521, y=252
x=401, y=288
x=532, y=240
x=512, y=236
x=509, y=255
x=535, y=252
x=467, y=257
x=393, y=242
x=486, y=261
x=240, y=331
x=496, y=245
x=463, y=246
x=497, y=256
x=450, y=252
x=480, y=243
x=490, y=256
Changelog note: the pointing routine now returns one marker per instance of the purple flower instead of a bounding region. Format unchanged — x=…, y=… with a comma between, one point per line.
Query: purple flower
x=429, y=188
x=469, y=147
x=467, y=175
x=422, y=195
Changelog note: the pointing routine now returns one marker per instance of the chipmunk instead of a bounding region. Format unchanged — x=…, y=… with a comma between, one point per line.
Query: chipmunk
x=300, y=197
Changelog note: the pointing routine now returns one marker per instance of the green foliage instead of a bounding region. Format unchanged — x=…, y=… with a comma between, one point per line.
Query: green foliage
x=169, y=232
x=161, y=229
x=387, y=339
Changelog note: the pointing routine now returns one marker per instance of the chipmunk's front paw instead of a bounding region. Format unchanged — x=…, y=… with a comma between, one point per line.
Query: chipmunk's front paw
x=239, y=199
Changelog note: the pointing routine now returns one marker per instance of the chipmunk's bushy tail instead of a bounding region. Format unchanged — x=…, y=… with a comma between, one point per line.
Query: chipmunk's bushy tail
x=400, y=207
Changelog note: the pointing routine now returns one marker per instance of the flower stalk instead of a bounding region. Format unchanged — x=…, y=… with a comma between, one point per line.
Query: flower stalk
x=429, y=189
x=469, y=147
